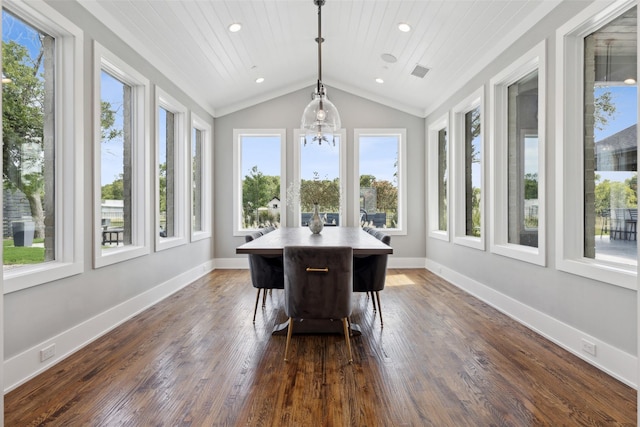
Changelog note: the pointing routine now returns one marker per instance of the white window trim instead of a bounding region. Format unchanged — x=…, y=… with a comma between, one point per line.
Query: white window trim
x=433, y=201
x=298, y=134
x=499, y=201
x=69, y=165
x=401, y=133
x=166, y=101
x=569, y=148
x=207, y=134
x=476, y=99
x=106, y=60
x=237, y=170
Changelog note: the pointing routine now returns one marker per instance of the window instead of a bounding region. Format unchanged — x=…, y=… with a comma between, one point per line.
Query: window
x=319, y=178
x=438, y=179
x=122, y=196
x=379, y=178
x=42, y=149
x=597, y=144
x=259, y=174
x=517, y=153
x=468, y=154
x=200, y=178
x=171, y=200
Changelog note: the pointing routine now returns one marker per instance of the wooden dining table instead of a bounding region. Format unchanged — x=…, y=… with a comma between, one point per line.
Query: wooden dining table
x=273, y=243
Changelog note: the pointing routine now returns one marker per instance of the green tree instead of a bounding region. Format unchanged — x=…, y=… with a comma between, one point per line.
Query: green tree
x=115, y=190
x=604, y=109
x=530, y=186
x=257, y=191
x=324, y=192
x=22, y=127
x=386, y=196
x=366, y=181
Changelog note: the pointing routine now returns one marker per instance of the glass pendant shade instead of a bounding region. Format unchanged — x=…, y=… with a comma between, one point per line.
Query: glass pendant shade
x=320, y=118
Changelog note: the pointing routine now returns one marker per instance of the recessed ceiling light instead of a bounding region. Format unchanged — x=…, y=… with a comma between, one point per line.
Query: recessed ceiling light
x=259, y=79
x=404, y=27
x=387, y=57
x=235, y=27
x=379, y=80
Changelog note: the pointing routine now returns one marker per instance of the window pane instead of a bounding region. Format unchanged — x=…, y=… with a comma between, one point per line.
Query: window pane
x=442, y=179
x=523, y=161
x=115, y=159
x=379, y=180
x=260, y=172
x=610, y=142
x=320, y=180
x=166, y=162
x=28, y=143
x=196, y=179
x=473, y=178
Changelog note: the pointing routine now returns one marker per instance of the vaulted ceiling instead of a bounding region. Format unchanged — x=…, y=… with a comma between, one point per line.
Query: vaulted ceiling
x=190, y=42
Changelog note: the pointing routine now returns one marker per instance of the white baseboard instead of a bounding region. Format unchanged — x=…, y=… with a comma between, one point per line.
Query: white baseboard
x=26, y=365
x=243, y=263
x=232, y=263
x=615, y=362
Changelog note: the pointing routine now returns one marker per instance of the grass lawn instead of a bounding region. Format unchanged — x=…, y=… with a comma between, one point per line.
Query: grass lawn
x=22, y=254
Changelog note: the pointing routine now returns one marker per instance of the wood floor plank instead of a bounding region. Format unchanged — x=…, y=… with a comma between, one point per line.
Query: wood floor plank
x=443, y=358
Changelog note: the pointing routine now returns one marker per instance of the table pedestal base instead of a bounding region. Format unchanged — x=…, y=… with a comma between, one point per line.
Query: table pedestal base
x=315, y=326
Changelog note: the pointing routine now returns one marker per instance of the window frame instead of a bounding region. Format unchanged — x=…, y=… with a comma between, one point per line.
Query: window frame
x=473, y=101
x=570, y=147
x=69, y=148
x=169, y=103
x=498, y=153
x=111, y=63
x=298, y=134
x=401, y=133
x=237, y=170
x=433, y=199
x=205, y=186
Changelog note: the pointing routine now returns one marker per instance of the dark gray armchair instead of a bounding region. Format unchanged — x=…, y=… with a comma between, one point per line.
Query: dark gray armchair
x=318, y=285
x=370, y=273
x=267, y=272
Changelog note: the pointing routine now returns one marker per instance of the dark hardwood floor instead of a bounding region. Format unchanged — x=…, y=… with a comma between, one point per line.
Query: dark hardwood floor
x=442, y=358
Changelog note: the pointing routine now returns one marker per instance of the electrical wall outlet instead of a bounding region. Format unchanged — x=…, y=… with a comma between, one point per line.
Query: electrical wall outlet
x=588, y=347
x=47, y=352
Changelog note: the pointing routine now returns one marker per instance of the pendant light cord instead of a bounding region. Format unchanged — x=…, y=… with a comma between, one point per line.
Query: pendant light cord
x=319, y=41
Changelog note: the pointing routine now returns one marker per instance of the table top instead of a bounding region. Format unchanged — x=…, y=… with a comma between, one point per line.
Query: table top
x=273, y=243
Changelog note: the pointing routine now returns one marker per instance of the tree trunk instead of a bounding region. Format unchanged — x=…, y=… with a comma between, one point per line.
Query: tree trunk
x=35, y=203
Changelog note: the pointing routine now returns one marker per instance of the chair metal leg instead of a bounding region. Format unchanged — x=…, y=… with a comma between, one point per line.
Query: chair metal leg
x=345, y=325
x=264, y=298
x=255, y=310
x=289, y=332
x=373, y=300
x=379, y=307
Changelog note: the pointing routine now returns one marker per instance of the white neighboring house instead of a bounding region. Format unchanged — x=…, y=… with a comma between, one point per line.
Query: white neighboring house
x=112, y=209
x=274, y=207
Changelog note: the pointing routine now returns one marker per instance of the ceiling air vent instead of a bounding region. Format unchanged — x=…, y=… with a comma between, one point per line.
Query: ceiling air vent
x=420, y=71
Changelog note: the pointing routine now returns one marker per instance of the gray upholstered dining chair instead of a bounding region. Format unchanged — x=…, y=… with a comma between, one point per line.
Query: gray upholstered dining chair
x=318, y=285
x=267, y=272
x=370, y=273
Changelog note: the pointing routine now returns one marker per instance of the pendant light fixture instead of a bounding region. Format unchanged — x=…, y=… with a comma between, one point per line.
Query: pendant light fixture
x=320, y=119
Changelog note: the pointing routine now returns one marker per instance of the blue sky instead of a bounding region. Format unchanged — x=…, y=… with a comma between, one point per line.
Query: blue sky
x=377, y=157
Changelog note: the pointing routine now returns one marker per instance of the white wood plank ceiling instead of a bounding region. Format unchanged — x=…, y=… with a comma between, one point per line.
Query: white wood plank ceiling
x=190, y=42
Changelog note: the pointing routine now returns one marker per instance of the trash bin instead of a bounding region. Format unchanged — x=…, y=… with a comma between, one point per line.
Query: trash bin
x=23, y=231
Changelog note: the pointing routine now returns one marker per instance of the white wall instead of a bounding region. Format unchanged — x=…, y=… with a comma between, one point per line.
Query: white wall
x=562, y=306
x=286, y=112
